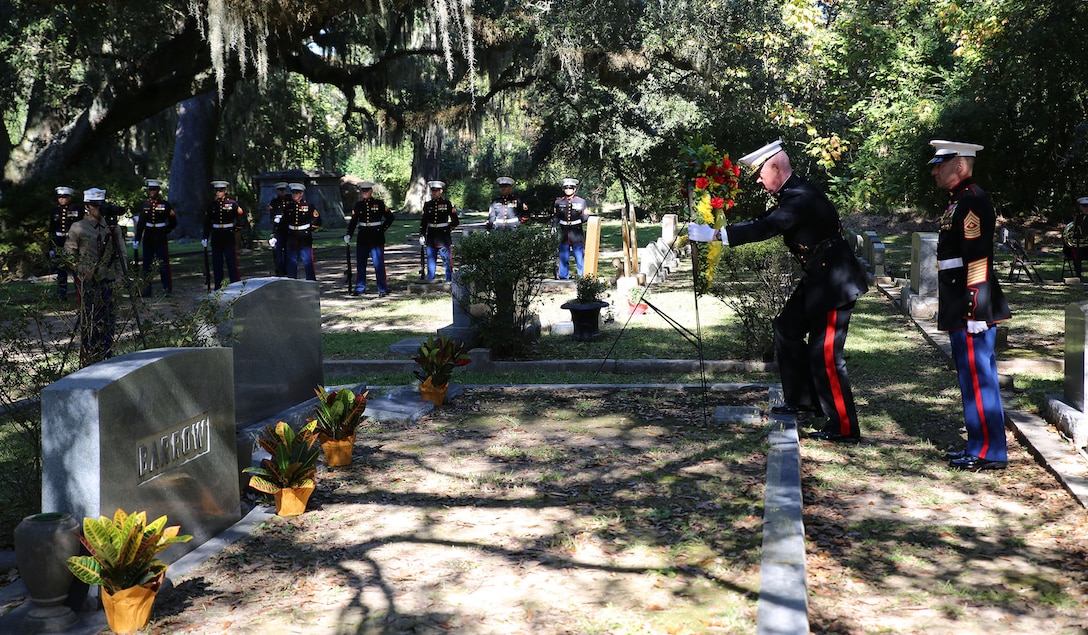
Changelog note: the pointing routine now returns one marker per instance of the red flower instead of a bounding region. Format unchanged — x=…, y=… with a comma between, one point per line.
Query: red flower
x=719, y=180
x=731, y=204
x=726, y=163
x=717, y=202
x=701, y=183
x=711, y=170
x=736, y=170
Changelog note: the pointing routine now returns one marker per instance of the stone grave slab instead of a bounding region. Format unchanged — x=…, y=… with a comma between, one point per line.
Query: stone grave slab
x=152, y=430
x=275, y=334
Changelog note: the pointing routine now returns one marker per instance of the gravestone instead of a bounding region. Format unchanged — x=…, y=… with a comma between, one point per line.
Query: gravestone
x=1076, y=362
x=669, y=262
x=869, y=238
x=920, y=298
x=274, y=331
x=923, y=263
x=877, y=262
x=669, y=228
x=152, y=430
x=462, y=328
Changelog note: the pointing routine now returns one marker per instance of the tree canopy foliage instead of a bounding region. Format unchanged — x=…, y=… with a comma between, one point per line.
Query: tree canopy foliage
x=605, y=90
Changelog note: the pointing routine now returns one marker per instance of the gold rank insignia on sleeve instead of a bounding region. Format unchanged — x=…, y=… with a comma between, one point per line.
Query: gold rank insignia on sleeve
x=976, y=271
x=972, y=226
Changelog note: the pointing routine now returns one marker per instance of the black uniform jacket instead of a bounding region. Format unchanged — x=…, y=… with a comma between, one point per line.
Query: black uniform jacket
x=969, y=291
x=439, y=220
x=221, y=220
x=809, y=225
x=372, y=218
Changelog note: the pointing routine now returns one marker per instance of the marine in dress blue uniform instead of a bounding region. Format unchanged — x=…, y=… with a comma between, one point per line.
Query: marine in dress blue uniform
x=436, y=230
x=153, y=225
x=570, y=213
x=810, y=332
x=61, y=219
x=300, y=219
x=970, y=303
x=222, y=220
x=507, y=211
x=275, y=213
x=372, y=217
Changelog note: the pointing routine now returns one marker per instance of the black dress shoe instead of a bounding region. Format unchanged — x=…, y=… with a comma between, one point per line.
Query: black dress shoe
x=973, y=463
x=955, y=454
x=834, y=437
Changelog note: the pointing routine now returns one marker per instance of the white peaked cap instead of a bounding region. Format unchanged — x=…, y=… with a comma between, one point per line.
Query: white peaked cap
x=220, y=184
x=436, y=185
x=94, y=195
x=570, y=182
x=64, y=190
x=153, y=183
x=504, y=180
x=947, y=150
x=755, y=160
x=282, y=185
x=297, y=187
x=366, y=185
x=1083, y=200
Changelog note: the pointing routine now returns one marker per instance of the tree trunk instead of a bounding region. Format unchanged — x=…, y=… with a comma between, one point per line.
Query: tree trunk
x=426, y=162
x=191, y=166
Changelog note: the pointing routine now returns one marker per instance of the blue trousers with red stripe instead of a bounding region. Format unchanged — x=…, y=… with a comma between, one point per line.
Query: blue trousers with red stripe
x=810, y=362
x=983, y=414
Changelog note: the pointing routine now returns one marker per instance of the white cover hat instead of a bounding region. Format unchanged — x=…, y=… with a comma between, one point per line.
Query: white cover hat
x=755, y=160
x=947, y=150
x=282, y=185
x=436, y=185
x=504, y=180
x=570, y=182
x=64, y=190
x=297, y=187
x=153, y=183
x=1082, y=200
x=220, y=185
x=366, y=185
x=94, y=195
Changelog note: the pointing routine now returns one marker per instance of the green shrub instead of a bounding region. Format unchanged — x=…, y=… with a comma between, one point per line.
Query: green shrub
x=755, y=281
x=504, y=273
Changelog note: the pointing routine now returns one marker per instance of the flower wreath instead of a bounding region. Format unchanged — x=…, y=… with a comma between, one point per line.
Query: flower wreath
x=711, y=183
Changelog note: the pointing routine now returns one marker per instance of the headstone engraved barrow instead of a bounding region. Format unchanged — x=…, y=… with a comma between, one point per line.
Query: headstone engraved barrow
x=152, y=430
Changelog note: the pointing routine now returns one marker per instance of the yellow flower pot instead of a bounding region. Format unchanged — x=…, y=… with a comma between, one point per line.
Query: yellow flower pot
x=129, y=610
x=434, y=394
x=337, y=451
x=291, y=501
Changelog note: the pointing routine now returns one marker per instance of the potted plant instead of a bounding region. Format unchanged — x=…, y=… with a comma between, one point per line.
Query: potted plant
x=636, y=299
x=339, y=414
x=123, y=561
x=290, y=474
x=585, y=309
x=437, y=357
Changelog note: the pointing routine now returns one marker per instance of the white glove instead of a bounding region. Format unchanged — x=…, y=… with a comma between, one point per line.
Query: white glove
x=422, y=241
x=700, y=233
x=135, y=244
x=272, y=241
x=52, y=253
x=204, y=242
x=277, y=219
x=974, y=326
x=347, y=239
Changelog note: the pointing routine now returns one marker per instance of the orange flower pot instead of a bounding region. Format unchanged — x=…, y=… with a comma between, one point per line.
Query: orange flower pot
x=434, y=394
x=337, y=451
x=129, y=610
x=291, y=501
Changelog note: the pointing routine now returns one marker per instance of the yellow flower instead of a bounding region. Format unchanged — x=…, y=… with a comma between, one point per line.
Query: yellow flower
x=706, y=212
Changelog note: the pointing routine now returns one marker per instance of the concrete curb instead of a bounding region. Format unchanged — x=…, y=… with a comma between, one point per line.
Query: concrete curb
x=783, y=590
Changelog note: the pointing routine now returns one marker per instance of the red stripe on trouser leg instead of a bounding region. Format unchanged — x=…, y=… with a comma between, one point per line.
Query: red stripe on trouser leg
x=978, y=394
x=833, y=374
